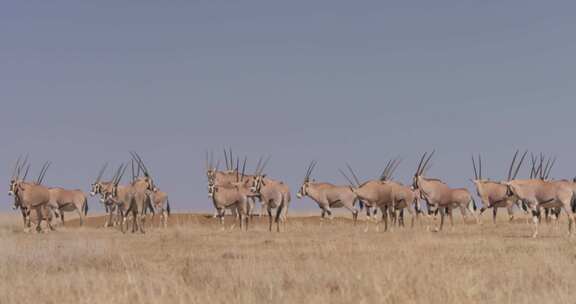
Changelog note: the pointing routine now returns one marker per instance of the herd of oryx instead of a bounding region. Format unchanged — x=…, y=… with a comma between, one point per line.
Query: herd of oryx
x=234, y=190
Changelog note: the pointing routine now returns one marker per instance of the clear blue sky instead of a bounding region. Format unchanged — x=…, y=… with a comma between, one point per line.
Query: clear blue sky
x=83, y=82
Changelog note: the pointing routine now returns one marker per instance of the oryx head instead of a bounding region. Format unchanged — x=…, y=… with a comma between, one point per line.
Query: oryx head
x=306, y=183
x=423, y=166
x=15, y=180
x=96, y=186
x=259, y=179
x=145, y=181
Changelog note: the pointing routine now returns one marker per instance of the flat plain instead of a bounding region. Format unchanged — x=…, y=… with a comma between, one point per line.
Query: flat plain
x=195, y=261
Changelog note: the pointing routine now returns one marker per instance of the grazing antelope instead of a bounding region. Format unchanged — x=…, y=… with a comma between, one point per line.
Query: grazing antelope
x=438, y=194
x=31, y=197
x=273, y=194
x=232, y=196
x=492, y=193
x=327, y=195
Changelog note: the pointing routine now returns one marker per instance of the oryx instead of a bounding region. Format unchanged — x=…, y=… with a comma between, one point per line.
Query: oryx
x=492, y=193
x=273, y=194
x=161, y=205
x=134, y=199
x=537, y=194
x=101, y=188
x=438, y=194
x=327, y=195
x=31, y=197
x=232, y=196
x=66, y=200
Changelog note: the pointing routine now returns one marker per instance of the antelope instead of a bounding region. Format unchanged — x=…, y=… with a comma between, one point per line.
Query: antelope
x=135, y=198
x=438, y=194
x=543, y=172
x=102, y=188
x=232, y=196
x=66, y=200
x=273, y=194
x=385, y=194
x=327, y=195
x=229, y=176
x=31, y=197
x=161, y=204
x=492, y=193
x=537, y=194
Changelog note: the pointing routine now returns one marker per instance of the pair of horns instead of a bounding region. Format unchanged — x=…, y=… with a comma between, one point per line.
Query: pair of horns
x=477, y=171
x=210, y=162
x=42, y=174
x=140, y=163
x=390, y=168
x=229, y=159
x=542, y=171
x=19, y=166
x=351, y=181
x=119, y=174
x=424, y=164
x=311, y=167
x=101, y=172
x=514, y=168
x=261, y=165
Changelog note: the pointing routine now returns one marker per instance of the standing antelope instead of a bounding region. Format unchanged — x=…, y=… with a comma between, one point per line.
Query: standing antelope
x=135, y=198
x=66, y=200
x=161, y=205
x=31, y=197
x=273, y=194
x=232, y=196
x=438, y=194
x=327, y=195
x=492, y=193
x=101, y=188
x=538, y=194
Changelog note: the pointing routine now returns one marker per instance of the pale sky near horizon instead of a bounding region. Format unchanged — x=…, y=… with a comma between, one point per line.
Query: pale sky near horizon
x=83, y=83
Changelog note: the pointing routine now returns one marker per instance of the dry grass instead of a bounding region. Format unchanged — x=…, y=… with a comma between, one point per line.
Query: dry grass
x=194, y=262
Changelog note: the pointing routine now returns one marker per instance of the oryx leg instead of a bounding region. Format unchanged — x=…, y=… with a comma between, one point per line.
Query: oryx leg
x=269, y=210
x=535, y=221
x=401, y=217
x=62, y=217
x=81, y=215
x=442, y=214
x=494, y=214
x=279, y=211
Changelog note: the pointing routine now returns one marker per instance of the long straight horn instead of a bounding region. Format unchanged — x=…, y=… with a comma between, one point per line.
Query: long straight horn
x=520, y=164
x=121, y=175
x=347, y=178
x=244, y=167
x=16, y=167
x=479, y=166
x=258, y=165
x=420, y=163
x=474, y=166
x=133, y=172
x=385, y=171
x=116, y=174
x=264, y=165
x=226, y=159
x=425, y=165
x=353, y=174
x=512, y=165
x=533, y=162
x=231, y=158
x=547, y=173
x=395, y=165
x=26, y=174
x=101, y=172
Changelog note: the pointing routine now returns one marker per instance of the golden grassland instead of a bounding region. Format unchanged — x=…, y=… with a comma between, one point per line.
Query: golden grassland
x=194, y=261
